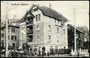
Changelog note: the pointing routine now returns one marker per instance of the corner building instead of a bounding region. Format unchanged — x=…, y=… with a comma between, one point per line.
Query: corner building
x=45, y=28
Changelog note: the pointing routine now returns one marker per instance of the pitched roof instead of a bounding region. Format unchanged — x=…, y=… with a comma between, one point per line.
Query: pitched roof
x=23, y=18
x=77, y=29
x=47, y=12
x=52, y=13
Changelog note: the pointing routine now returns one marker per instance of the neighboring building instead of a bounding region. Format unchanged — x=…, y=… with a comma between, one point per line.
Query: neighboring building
x=13, y=33
x=45, y=29
x=79, y=37
x=22, y=33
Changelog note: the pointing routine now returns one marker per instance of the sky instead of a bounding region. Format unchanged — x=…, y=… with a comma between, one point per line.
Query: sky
x=74, y=11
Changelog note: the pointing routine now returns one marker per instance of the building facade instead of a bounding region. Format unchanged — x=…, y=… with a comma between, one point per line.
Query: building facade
x=13, y=35
x=22, y=33
x=45, y=29
x=79, y=38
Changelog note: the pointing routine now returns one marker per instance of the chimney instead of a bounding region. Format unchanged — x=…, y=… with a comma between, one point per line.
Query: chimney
x=49, y=5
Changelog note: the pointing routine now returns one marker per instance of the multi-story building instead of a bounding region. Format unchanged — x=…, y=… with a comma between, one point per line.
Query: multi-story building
x=71, y=37
x=13, y=33
x=45, y=29
x=22, y=33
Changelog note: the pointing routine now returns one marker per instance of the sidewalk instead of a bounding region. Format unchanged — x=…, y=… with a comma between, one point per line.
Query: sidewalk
x=61, y=55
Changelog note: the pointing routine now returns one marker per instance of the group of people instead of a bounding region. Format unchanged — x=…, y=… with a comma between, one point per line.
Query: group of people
x=35, y=52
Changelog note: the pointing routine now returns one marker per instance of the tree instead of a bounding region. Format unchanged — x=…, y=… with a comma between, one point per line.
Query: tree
x=85, y=36
x=85, y=30
x=2, y=48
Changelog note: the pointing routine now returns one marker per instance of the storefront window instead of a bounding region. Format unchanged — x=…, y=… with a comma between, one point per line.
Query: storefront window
x=51, y=50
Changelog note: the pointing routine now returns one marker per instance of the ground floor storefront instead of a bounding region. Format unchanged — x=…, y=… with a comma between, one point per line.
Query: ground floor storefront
x=47, y=49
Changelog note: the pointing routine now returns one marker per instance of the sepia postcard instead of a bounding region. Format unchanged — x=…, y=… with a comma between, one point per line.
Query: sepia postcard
x=44, y=29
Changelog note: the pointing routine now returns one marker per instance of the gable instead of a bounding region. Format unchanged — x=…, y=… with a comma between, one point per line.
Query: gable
x=45, y=11
x=49, y=12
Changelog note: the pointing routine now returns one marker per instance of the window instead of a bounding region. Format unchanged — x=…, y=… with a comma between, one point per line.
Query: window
x=14, y=22
x=2, y=42
x=13, y=29
x=56, y=49
x=38, y=37
x=2, y=23
x=30, y=38
x=49, y=27
x=51, y=47
x=57, y=40
x=8, y=29
x=57, y=29
x=50, y=37
x=55, y=21
x=8, y=37
x=13, y=37
x=62, y=22
x=38, y=17
x=38, y=27
x=2, y=34
x=13, y=44
x=77, y=35
x=51, y=50
x=8, y=22
x=8, y=44
x=2, y=29
x=58, y=21
x=28, y=18
x=64, y=31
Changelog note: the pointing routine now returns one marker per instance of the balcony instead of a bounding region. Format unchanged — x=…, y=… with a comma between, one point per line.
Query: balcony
x=29, y=22
x=29, y=32
x=30, y=38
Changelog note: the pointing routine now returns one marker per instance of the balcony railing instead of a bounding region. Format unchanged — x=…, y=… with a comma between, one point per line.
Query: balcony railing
x=29, y=22
x=29, y=32
x=30, y=40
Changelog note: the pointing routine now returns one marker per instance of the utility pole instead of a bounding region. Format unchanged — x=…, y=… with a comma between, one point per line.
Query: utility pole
x=75, y=47
x=6, y=40
x=50, y=8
